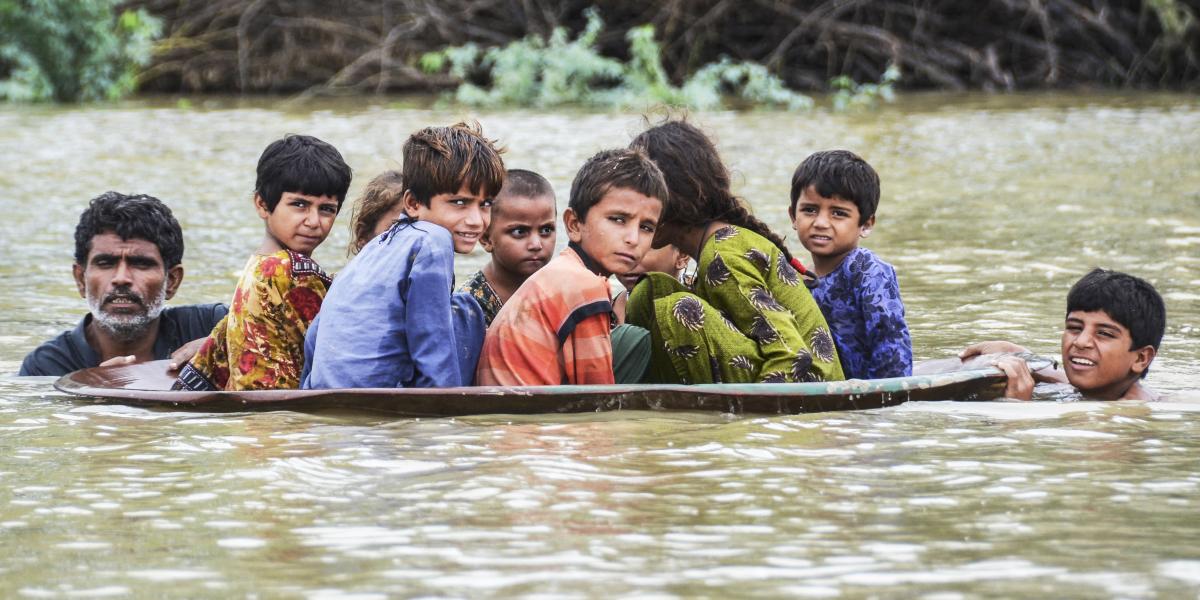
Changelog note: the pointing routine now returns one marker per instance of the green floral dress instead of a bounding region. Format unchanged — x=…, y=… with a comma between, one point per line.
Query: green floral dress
x=747, y=318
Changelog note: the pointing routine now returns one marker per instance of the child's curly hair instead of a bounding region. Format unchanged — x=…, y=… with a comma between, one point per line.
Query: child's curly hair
x=384, y=192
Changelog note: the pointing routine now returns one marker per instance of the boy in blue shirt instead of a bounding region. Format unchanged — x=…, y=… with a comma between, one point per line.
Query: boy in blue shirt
x=834, y=197
x=389, y=320
x=1114, y=325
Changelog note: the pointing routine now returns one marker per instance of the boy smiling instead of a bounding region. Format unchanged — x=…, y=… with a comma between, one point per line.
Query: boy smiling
x=1114, y=325
x=391, y=320
x=557, y=328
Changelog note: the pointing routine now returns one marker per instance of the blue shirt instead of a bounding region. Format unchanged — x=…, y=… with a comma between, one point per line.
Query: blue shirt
x=389, y=319
x=861, y=302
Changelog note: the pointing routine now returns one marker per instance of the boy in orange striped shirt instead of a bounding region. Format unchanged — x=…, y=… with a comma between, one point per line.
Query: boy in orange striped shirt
x=558, y=327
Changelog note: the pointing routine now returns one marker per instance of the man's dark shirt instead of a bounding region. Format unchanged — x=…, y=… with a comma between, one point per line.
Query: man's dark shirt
x=70, y=351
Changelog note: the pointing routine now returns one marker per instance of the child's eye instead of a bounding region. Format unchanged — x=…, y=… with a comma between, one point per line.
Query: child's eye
x=518, y=232
x=648, y=228
x=617, y=219
x=547, y=230
x=487, y=203
x=808, y=210
x=330, y=210
x=841, y=213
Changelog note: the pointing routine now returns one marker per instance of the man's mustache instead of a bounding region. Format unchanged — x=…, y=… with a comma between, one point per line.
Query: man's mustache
x=124, y=295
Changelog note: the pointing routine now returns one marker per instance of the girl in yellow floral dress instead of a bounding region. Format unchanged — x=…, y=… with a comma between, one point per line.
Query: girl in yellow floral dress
x=260, y=343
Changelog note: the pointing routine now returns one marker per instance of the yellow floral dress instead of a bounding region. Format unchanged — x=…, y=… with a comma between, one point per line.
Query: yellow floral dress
x=259, y=345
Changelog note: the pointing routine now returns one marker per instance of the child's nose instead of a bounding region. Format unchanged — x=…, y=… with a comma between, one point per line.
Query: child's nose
x=475, y=216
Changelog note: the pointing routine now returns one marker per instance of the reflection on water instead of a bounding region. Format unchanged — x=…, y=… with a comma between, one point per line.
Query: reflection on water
x=1001, y=498
x=992, y=206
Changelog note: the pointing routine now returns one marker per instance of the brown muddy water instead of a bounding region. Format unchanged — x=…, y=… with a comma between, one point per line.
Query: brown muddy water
x=992, y=207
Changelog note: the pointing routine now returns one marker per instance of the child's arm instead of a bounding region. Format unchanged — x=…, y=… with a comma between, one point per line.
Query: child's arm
x=888, y=340
x=587, y=352
x=428, y=320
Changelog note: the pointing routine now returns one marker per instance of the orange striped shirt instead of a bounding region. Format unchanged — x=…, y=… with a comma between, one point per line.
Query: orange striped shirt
x=555, y=329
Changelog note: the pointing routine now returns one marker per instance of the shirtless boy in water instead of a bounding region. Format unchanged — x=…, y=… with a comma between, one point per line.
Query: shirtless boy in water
x=1115, y=323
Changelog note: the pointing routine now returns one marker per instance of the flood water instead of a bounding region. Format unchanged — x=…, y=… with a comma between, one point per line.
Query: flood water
x=992, y=207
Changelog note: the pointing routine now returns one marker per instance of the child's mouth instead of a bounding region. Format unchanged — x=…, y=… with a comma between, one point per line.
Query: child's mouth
x=1081, y=362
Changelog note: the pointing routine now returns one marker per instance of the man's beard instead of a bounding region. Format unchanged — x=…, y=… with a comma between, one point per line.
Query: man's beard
x=126, y=327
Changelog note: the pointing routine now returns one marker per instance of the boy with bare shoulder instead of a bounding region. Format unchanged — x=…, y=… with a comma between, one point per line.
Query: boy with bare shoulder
x=1115, y=323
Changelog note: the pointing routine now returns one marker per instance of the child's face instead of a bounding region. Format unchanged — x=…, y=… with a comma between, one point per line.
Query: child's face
x=618, y=229
x=465, y=213
x=522, y=234
x=667, y=259
x=828, y=227
x=386, y=219
x=1097, y=357
x=299, y=222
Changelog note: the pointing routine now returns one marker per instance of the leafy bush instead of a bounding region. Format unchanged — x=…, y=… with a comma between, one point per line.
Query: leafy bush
x=536, y=72
x=69, y=50
x=849, y=94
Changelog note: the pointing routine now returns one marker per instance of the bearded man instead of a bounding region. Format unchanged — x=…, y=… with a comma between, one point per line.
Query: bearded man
x=128, y=251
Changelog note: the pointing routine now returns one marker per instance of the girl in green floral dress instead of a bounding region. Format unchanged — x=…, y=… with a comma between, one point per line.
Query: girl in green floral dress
x=748, y=317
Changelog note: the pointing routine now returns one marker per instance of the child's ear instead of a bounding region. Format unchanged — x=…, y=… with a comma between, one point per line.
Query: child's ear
x=681, y=261
x=411, y=207
x=1142, y=358
x=485, y=240
x=573, y=224
x=260, y=205
x=865, y=229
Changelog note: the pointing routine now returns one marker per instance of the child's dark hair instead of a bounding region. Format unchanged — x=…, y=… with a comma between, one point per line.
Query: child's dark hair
x=130, y=217
x=301, y=164
x=624, y=168
x=1129, y=300
x=526, y=184
x=698, y=180
x=441, y=160
x=838, y=174
x=383, y=193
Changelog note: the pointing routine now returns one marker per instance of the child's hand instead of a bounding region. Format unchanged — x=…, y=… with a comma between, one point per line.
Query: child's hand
x=993, y=347
x=1020, y=380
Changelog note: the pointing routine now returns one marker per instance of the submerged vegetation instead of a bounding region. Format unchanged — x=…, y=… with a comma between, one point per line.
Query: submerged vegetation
x=533, y=71
x=696, y=53
x=69, y=50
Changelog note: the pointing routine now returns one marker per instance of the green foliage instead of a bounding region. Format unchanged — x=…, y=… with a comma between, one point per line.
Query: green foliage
x=70, y=50
x=536, y=72
x=1174, y=17
x=851, y=95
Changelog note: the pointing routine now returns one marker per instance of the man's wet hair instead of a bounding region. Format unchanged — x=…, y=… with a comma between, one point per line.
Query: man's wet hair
x=301, y=164
x=441, y=160
x=625, y=168
x=130, y=217
x=838, y=174
x=1130, y=301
